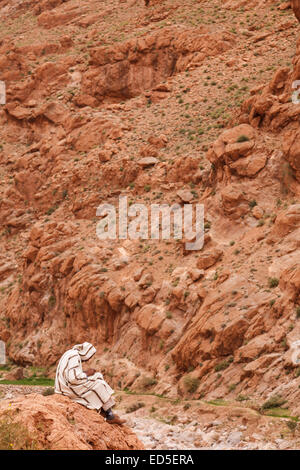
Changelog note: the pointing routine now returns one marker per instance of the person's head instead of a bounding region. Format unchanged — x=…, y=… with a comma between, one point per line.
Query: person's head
x=85, y=350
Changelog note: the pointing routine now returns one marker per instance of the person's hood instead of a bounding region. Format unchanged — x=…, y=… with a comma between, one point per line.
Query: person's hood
x=86, y=350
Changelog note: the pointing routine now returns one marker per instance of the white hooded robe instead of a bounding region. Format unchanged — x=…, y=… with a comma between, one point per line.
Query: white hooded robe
x=92, y=392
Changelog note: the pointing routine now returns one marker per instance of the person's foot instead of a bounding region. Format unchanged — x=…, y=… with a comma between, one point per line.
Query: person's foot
x=115, y=419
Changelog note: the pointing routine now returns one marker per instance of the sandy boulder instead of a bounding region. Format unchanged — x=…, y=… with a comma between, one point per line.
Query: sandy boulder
x=55, y=422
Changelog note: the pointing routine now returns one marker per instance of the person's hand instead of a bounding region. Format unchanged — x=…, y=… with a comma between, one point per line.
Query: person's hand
x=89, y=372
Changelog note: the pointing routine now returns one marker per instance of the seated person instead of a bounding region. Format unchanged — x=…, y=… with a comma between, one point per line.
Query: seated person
x=85, y=387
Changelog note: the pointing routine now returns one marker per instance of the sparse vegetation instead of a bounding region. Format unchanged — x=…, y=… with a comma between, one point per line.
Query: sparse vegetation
x=224, y=364
x=42, y=381
x=148, y=382
x=242, y=138
x=275, y=401
x=83, y=128
x=48, y=391
x=14, y=436
x=135, y=407
x=273, y=282
x=191, y=383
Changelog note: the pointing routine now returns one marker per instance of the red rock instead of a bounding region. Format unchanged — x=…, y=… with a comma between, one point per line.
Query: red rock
x=249, y=166
x=290, y=281
x=231, y=148
x=234, y=202
x=206, y=260
x=196, y=274
x=286, y=222
x=150, y=318
x=285, y=6
x=296, y=8
x=257, y=212
x=158, y=141
x=51, y=19
x=185, y=195
x=55, y=422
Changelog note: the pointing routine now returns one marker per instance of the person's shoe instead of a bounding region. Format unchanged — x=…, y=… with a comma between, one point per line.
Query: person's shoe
x=115, y=420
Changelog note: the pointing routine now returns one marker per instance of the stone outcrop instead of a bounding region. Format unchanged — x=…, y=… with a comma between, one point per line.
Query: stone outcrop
x=124, y=71
x=296, y=8
x=55, y=422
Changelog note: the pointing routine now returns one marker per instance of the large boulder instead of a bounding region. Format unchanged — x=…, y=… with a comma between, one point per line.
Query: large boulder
x=55, y=422
x=285, y=223
x=234, y=152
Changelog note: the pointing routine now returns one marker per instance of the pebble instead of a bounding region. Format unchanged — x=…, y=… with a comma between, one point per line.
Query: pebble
x=235, y=437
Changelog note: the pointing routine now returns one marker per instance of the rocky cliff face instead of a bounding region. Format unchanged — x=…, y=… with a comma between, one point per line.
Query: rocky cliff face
x=162, y=104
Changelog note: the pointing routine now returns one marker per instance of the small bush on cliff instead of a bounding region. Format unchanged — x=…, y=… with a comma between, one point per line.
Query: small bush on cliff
x=273, y=282
x=224, y=364
x=242, y=398
x=275, y=401
x=191, y=383
x=135, y=406
x=52, y=301
x=292, y=425
x=148, y=382
x=252, y=203
x=242, y=138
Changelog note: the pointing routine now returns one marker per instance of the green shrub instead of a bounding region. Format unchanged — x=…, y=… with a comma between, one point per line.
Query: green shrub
x=273, y=282
x=48, y=391
x=135, y=406
x=252, y=203
x=242, y=138
x=224, y=364
x=191, y=383
x=242, y=398
x=52, y=301
x=275, y=401
x=148, y=382
x=292, y=425
x=297, y=372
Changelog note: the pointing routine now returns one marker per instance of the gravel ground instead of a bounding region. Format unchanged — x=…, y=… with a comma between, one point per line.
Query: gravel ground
x=160, y=436
x=11, y=391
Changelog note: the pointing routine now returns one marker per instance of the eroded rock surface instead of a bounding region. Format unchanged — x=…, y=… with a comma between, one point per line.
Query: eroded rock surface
x=55, y=422
x=173, y=103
